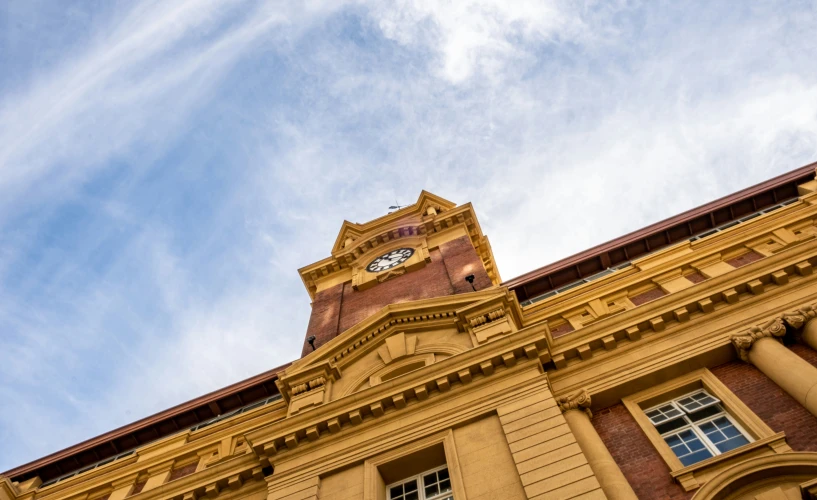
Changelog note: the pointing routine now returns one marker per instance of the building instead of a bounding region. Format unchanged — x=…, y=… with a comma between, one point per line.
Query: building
x=676, y=362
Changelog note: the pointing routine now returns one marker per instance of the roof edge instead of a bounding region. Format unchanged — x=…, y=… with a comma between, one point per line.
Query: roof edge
x=141, y=423
x=660, y=225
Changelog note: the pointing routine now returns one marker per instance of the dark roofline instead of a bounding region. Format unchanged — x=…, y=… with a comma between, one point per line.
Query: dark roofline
x=150, y=428
x=660, y=234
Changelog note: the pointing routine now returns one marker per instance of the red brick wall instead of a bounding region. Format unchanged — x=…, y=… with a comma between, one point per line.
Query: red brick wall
x=460, y=260
x=806, y=353
x=768, y=401
x=641, y=464
x=323, y=322
x=341, y=307
x=646, y=470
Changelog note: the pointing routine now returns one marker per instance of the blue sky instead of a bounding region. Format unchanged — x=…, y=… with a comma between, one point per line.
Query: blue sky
x=165, y=167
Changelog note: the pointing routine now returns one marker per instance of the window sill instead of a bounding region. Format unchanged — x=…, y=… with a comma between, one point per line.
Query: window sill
x=694, y=476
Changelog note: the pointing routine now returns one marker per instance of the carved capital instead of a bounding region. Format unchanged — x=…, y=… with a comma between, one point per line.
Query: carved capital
x=798, y=318
x=578, y=401
x=744, y=342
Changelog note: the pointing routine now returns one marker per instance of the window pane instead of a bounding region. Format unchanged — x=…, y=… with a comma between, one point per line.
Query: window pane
x=724, y=435
x=656, y=416
x=396, y=491
x=731, y=444
x=445, y=485
x=663, y=413
x=731, y=431
x=695, y=445
x=443, y=474
x=696, y=401
x=673, y=440
x=431, y=490
x=688, y=447
x=671, y=425
x=695, y=457
x=410, y=485
x=411, y=496
x=430, y=478
x=705, y=413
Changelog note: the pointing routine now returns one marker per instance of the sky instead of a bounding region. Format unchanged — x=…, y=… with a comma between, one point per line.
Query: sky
x=167, y=166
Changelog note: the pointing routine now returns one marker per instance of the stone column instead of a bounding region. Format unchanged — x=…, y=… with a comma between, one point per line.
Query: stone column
x=809, y=334
x=576, y=409
x=761, y=347
x=803, y=319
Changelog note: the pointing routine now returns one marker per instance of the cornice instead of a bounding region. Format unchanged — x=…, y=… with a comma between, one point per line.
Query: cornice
x=352, y=445
x=670, y=258
x=394, y=395
x=420, y=207
x=722, y=291
x=426, y=313
x=662, y=350
x=429, y=216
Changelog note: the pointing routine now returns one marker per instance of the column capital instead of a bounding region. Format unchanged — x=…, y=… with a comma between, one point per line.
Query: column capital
x=743, y=342
x=799, y=317
x=578, y=401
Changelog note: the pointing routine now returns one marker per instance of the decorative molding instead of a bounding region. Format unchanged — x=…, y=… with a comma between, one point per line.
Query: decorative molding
x=797, y=319
x=582, y=344
x=447, y=375
x=397, y=346
x=774, y=328
x=578, y=401
x=494, y=315
x=308, y=386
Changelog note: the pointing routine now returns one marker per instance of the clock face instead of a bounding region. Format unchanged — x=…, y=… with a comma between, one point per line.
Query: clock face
x=390, y=260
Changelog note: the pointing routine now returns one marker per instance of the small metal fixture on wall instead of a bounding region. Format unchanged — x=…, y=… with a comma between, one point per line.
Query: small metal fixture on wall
x=470, y=280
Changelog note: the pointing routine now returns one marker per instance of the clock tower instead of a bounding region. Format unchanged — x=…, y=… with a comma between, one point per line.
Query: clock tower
x=429, y=249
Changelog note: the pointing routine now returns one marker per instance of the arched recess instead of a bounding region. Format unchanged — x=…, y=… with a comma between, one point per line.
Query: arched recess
x=746, y=480
x=438, y=351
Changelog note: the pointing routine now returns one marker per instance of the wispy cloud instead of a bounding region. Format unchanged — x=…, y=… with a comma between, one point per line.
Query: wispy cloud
x=164, y=177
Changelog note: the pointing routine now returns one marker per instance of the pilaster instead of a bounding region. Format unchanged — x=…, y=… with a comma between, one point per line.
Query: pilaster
x=549, y=460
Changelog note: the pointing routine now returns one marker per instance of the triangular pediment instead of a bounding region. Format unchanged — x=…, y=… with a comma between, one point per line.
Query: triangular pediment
x=352, y=231
x=404, y=335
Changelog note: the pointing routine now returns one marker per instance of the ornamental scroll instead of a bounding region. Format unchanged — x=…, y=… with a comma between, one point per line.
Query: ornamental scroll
x=744, y=342
x=578, y=401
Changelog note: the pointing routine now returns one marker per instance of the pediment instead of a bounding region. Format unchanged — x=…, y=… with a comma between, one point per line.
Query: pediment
x=418, y=226
x=398, y=339
x=352, y=231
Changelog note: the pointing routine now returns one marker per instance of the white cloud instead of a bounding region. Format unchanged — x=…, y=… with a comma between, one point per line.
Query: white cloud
x=565, y=123
x=481, y=37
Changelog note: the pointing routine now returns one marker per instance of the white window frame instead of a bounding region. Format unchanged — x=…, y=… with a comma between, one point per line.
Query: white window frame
x=421, y=495
x=695, y=426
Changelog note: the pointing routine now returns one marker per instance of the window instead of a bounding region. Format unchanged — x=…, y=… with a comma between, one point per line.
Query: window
x=430, y=485
x=696, y=427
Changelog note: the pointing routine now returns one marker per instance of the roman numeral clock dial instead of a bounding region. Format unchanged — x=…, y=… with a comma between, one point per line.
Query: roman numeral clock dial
x=390, y=260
